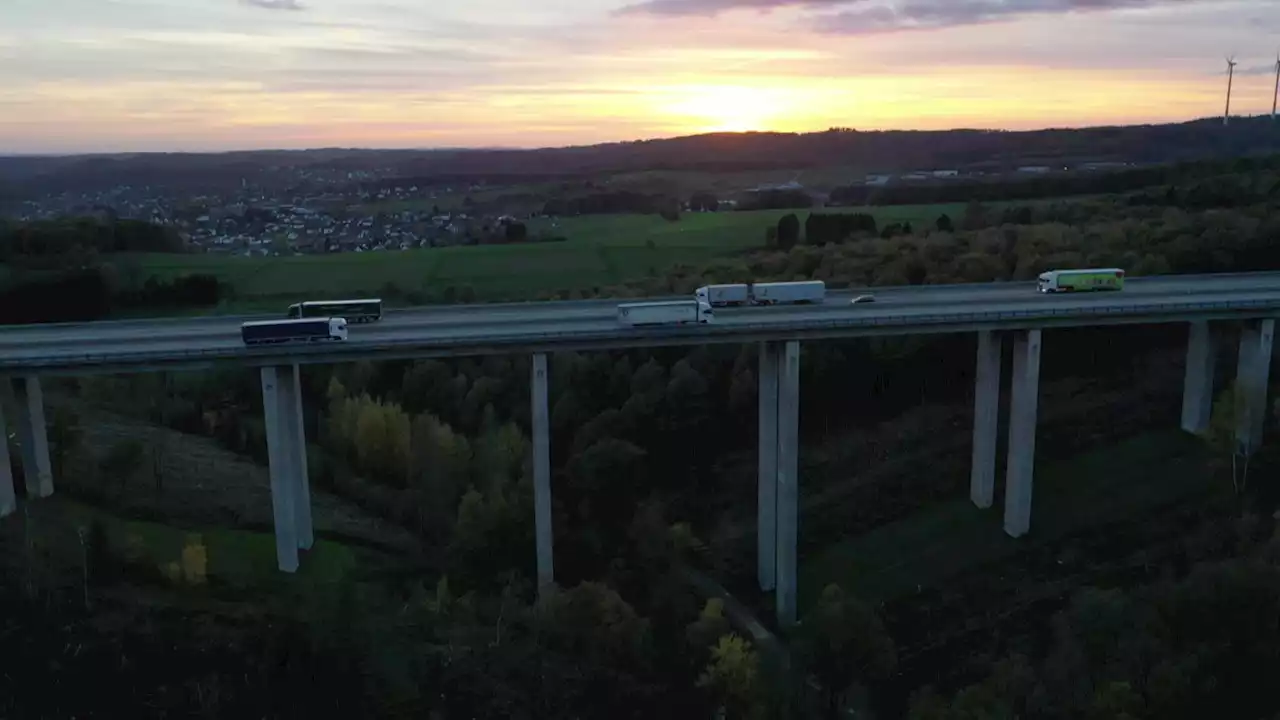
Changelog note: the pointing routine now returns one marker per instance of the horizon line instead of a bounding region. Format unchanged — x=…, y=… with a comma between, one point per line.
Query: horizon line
x=5, y=155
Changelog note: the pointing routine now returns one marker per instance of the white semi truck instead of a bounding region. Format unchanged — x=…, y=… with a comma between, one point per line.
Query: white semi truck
x=261, y=332
x=788, y=293
x=777, y=293
x=724, y=295
x=679, y=312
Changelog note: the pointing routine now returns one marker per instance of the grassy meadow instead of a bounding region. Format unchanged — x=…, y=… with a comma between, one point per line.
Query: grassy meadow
x=601, y=250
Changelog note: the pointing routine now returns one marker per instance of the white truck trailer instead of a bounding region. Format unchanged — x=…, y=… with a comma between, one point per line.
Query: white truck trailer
x=788, y=293
x=724, y=295
x=678, y=312
x=261, y=332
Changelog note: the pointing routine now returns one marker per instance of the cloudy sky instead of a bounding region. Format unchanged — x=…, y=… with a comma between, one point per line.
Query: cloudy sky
x=116, y=75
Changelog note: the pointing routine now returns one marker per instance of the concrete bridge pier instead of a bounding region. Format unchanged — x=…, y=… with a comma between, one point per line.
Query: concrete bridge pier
x=1020, y=466
x=8, y=501
x=33, y=436
x=287, y=455
x=1197, y=385
x=779, y=487
x=1253, y=370
x=986, y=419
x=542, y=472
x=1023, y=408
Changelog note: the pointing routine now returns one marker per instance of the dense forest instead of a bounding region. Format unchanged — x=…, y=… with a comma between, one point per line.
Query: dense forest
x=1167, y=610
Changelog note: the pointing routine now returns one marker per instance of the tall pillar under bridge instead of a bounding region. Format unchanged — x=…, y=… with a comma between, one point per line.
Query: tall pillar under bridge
x=1253, y=370
x=25, y=397
x=778, y=490
x=287, y=456
x=1024, y=404
x=541, y=472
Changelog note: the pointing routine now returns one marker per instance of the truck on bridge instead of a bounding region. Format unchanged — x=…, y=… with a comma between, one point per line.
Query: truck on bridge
x=1056, y=281
x=679, y=312
x=776, y=293
x=359, y=311
x=262, y=332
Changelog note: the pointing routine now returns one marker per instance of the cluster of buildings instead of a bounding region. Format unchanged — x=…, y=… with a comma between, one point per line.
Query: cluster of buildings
x=318, y=213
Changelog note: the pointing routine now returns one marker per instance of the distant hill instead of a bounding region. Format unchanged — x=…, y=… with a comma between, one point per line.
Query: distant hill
x=873, y=150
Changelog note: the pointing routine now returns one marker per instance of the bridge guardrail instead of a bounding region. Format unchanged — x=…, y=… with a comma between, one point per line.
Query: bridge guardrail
x=852, y=322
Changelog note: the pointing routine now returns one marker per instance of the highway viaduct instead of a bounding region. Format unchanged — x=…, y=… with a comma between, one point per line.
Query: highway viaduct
x=999, y=313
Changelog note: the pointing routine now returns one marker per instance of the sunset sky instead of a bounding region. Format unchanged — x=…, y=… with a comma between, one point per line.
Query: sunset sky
x=119, y=75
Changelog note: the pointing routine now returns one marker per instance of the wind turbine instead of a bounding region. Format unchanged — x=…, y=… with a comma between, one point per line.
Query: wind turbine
x=1231, y=71
x=1276, y=93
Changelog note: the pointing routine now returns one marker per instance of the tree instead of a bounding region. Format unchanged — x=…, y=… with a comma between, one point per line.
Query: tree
x=710, y=626
x=788, y=231
x=1228, y=451
x=593, y=621
x=842, y=642
x=733, y=676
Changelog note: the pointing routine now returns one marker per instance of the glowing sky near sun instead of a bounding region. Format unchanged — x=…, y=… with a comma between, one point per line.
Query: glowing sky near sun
x=115, y=75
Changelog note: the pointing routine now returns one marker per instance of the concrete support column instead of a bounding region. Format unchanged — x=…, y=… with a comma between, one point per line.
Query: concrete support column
x=1022, y=433
x=1253, y=371
x=542, y=472
x=986, y=419
x=33, y=435
x=767, y=488
x=8, y=501
x=286, y=450
x=788, y=481
x=298, y=440
x=1197, y=386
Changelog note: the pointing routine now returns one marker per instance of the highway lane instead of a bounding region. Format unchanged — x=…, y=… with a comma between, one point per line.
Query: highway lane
x=509, y=323
x=524, y=311
x=396, y=320
x=731, y=326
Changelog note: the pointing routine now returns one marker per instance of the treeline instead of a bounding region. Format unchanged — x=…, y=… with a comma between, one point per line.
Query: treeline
x=621, y=201
x=96, y=293
x=777, y=200
x=69, y=271
x=1226, y=176
x=27, y=242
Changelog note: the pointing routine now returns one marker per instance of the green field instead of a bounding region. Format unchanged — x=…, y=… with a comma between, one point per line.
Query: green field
x=238, y=558
x=601, y=250
x=1102, y=486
